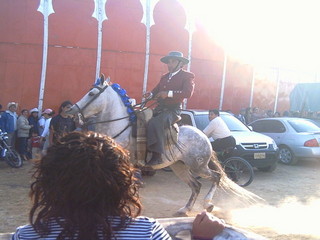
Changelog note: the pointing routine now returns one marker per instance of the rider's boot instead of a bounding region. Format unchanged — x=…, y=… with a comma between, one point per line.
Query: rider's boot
x=155, y=160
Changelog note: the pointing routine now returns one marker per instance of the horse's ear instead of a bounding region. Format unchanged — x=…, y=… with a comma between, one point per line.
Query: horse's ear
x=102, y=78
x=107, y=81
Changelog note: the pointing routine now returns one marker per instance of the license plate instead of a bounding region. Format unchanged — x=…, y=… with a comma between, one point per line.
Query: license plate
x=259, y=155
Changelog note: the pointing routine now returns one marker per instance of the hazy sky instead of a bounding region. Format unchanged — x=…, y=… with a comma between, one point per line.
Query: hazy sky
x=281, y=33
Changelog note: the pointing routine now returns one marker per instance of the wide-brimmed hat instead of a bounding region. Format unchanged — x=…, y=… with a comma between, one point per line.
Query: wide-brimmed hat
x=12, y=104
x=34, y=110
x=47, y=111
x=174, y=55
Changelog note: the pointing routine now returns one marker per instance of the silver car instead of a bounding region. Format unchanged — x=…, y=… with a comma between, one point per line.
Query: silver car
x=297, y=138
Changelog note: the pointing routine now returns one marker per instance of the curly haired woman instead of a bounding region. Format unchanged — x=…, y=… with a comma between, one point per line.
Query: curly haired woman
x=85, y=189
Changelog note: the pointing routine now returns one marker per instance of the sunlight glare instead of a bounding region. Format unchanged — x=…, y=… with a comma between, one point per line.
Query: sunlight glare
x=278, y=33
x=290, y=217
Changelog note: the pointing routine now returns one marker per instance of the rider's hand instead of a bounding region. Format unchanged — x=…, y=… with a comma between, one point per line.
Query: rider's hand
x=162, y=95
x=147, y=95
x=206, y=226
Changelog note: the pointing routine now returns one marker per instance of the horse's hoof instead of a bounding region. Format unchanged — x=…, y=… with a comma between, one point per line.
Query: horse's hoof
x=182, y=212
x=209, y=207
x=148, y=172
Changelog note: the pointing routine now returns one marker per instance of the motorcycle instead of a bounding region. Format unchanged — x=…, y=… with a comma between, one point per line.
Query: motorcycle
x=10, y=156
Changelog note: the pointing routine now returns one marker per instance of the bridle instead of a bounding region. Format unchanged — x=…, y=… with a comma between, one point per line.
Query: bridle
x=101, y=90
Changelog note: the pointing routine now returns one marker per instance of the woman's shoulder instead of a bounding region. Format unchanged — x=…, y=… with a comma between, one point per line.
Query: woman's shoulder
x=25, y=232
x=137, y=220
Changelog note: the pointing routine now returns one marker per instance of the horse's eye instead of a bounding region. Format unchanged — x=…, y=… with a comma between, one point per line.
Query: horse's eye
x=91, y=94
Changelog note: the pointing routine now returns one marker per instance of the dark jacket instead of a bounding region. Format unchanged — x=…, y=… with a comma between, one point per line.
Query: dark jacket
x=8, y=122
x=182, y=85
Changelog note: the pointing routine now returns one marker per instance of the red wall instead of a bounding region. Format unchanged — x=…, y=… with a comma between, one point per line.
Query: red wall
x=72, y=54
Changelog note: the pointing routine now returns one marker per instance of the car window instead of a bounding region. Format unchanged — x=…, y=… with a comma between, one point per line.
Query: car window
x=268, y=126
x=185, y=120
x=274, y=126
x=258, y=126
x=233, y=123
x=202, y=120
x=301, y=125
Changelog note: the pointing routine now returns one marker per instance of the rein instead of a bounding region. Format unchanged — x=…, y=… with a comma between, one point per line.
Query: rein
x=101, y=90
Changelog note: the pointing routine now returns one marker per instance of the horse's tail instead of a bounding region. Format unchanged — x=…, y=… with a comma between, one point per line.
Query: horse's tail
x=228, y=185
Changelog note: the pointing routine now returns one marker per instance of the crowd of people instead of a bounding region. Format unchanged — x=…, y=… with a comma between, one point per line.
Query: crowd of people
x=248, y=115
x=30, y=132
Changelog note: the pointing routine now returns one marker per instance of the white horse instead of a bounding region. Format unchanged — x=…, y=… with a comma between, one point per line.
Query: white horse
x=188, y=160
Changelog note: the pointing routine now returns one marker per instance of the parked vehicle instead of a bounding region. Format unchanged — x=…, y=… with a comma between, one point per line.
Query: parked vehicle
x=297, y=138
x=315, y=121
x=259, y=150
x=236, y=168
x=7, y=153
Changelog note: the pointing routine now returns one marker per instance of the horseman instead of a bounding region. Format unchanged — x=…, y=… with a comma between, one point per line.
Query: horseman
x=172, y=89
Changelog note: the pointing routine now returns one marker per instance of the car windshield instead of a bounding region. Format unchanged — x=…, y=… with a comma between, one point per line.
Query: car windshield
x=201, y=120
x=233, y=124
x=301, y=125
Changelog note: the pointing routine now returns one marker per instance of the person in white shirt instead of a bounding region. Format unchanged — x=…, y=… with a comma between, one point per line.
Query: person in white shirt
x=48, y=113
x=219, y=131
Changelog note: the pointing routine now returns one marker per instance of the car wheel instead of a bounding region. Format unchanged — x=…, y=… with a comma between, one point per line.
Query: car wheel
x=270, y=168
x=286, y=156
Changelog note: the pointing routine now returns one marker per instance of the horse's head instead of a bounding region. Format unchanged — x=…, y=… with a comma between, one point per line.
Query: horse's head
x=91, y=103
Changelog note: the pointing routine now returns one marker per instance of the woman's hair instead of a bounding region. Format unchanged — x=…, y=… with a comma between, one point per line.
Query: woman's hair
x=24, y=110
x=65, y=103
x=84, y=180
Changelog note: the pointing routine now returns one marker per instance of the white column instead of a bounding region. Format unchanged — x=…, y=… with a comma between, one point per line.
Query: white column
x=223, y=80
x=99, y=14
x=146, y=64
x=45, y=7
x=252, y=87
x=277, y=91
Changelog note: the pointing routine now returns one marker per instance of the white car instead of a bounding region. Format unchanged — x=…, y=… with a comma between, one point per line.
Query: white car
x=259, y=150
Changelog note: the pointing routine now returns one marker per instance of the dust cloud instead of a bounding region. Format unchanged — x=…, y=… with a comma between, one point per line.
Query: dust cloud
x=289, y=217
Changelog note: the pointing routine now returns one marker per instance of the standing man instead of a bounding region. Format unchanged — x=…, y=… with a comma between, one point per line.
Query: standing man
x=219, y=131
x=241, y=115
x=173, y=88
x=9, y=123
x=61, y=124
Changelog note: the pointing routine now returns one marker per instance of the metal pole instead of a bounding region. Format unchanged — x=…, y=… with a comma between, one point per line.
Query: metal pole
x=146, y=64
x=277, y=92
x=223, y=80
x=252, y=87
x=45, y=7
x=185, y=101
x=100, y=15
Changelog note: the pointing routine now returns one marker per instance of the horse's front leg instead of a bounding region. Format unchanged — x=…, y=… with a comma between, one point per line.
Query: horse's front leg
x=182, y=171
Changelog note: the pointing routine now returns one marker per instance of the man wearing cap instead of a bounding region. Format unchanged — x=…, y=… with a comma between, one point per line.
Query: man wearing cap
x=172, y=89
x=9, y=122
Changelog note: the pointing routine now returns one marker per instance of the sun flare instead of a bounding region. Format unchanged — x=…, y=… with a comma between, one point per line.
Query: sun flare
x=278, y=33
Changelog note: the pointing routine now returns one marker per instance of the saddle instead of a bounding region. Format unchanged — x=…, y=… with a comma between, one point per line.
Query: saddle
x=143, y=117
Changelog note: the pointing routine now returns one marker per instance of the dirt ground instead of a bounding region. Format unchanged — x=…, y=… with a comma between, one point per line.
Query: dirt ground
x=291, y=193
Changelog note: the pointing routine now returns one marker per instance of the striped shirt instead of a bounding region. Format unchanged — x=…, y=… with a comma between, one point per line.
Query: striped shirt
x=140, y=228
